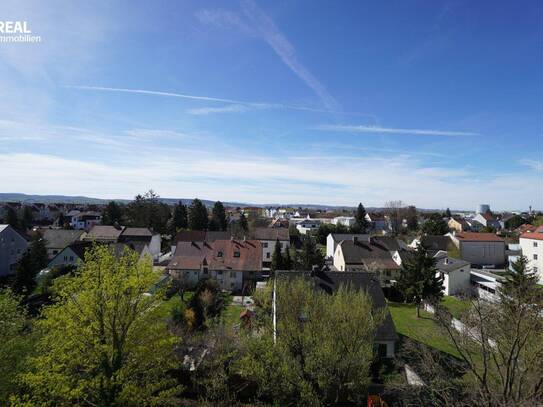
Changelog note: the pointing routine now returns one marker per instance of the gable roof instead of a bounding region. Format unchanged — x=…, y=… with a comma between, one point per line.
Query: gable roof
x=330, y=282
x=59, y=238
x=218, y=255
x=435, y=243
x=136, y=232
x=338, y=237
x=532, y=235
x=367, y=254
x=201, y=236
x=390, y=243
x=102, y=232
x=478, y=237
x=447, y=264
x=271, y=234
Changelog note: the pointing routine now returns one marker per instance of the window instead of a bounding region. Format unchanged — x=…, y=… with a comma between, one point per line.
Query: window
x=232, y=274
x=268, y=255
x=265, y=244
x=205, y=270
x=71, y=258
x=65, y=258
x=236, y=254
x=219, y=254
x=219, y=273
x=535, y=244
x=535, y=256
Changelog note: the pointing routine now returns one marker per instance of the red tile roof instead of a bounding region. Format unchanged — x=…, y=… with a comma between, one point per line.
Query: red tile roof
x=478, y=237
x=532, y=235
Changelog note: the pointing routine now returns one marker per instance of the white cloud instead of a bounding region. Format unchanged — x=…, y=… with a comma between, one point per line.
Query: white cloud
x=533, y=164
x=389, y=130
x=222, y=109
x=257, y=23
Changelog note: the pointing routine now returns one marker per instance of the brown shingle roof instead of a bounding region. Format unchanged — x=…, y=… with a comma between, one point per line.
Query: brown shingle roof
x=532, y=235
x=100, y=232
x=271, y=234
x=366, y=255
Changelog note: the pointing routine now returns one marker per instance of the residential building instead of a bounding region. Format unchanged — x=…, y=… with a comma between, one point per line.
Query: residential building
x=354, y=255
x=329, y=281
x=104, y=234
x=347, y=221
x=199, y=236
x=480, y=249
x=12, y=247
x=307, y=226
x=458, y=224
x=434, y=243
x=532, y=249
x=74, y=254
x=268, y=238
x=333, y=239
x=84, y=220
x=145, y=235
x=58, y=239
x=235, y=264
x=455, y=273
x=486, y=284
x=487, y=219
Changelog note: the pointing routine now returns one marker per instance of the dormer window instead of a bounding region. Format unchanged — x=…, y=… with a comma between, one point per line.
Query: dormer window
x=236, y=254
x=219, y=254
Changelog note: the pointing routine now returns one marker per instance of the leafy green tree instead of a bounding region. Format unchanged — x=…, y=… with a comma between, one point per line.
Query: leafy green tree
x=207, y=302
x=412, y=219
x=361, y=224
x=243, y=222
x=277, y=262
x=435, y=225
x=147, y=211
x=287, y=260
x=521, y=283
x=113, y=214
x=218, y=216
x=15, y=344
x=102, y=345
x=448, y=213
x=28, y=218
x=11, y=218
x=309, y=256
x=179, y=219
x=420, y=281
x=324, y=346
x=197, y=216
x=32, y=261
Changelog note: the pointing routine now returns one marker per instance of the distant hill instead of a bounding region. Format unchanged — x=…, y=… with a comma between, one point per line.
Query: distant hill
x=24, y=198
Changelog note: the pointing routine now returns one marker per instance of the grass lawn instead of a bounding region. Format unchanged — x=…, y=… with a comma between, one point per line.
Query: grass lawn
x=164, y=309
x=231, y=314
x=423, y=329
x=456, y=306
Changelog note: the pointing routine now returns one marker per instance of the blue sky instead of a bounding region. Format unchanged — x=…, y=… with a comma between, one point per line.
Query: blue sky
x=435, y=103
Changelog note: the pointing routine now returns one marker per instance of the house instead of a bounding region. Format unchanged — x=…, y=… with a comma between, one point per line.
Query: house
x=487, y=219
x=532, y=248
x=268, y=238
x=379, y=223
x=455, y=273
x=434, y=243
x=486, y=284
x=235, y=264
x=347, y=221
x=354, y=255
x=12, y=247
x=458, y=224
x=307, y=225
x=397, y=248
x=145, y=235
x=84, y=220
x=58, y=239
x=74, y=254
x=199, y=236
x=480, y=249
x=329, y=281
x=279, y=223
x=333, y=239
x=104, y=234
x=525, y=229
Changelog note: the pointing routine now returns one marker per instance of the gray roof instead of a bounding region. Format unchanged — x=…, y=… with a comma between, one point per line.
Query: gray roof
x=139, y=232
x=271, y=234
x=100, y=232
x=391, y=243
x=330, y=281
x=60, y=238
x=435, y=243
x=338, y=237
x=367, y=254
x=447, y=264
